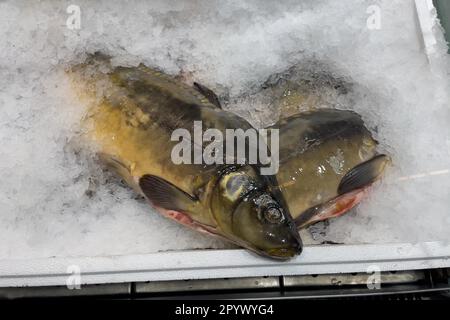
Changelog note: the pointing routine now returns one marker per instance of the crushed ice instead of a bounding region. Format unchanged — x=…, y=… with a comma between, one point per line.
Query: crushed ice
x=55, y=200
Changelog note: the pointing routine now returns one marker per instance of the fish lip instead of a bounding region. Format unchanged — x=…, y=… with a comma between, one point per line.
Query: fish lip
x=284, y=253
x=279, y=253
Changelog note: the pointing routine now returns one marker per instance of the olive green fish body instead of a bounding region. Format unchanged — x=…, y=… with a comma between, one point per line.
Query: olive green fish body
x=132, y=123
x=319, y=152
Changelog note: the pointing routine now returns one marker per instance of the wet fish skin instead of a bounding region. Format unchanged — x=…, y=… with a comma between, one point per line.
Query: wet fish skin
x=327, y=159
x=132, y=123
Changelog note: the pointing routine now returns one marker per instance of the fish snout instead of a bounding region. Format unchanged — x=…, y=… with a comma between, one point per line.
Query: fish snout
x=293, y=247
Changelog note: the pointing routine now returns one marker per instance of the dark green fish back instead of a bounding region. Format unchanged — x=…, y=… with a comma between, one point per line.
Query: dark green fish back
x=301, y=132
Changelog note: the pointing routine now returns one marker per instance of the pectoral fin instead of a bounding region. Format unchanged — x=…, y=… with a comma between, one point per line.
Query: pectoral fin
x=208, y=93
x=118, y=166
x=363, y=174
x=163, y=194
x=332, y=209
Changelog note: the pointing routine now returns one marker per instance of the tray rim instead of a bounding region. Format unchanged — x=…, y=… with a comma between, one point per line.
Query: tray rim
x=224, y=263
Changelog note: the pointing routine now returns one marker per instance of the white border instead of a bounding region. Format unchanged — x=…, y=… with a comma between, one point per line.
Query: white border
x=427, y=21
x=203, y=264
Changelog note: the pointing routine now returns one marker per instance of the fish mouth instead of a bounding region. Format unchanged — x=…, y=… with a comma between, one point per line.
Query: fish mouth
x=284, y=253
x=276, y=253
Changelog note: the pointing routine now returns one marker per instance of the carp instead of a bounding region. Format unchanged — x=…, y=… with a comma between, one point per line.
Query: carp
x=328, y=158
x=134, y=113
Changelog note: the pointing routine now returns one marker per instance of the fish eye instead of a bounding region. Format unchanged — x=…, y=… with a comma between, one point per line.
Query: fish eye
x=273, y=215
x=268, y=209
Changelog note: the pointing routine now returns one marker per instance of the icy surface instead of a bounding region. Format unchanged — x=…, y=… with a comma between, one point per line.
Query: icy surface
x=56, y=201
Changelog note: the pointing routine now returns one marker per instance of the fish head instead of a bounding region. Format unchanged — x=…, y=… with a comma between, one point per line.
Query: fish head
x=248, y=214
x=262, y=223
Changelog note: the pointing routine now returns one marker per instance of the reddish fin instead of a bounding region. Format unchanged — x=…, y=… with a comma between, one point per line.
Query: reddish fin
x=186, y=220
x=332, y=209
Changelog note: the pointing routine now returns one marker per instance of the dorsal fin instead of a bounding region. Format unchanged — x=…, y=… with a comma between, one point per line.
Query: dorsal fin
x=303, y=131
x=204, y=95
x=208, y=93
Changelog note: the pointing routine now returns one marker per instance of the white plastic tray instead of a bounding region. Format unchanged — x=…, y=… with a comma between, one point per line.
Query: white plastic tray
x=197, y=264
